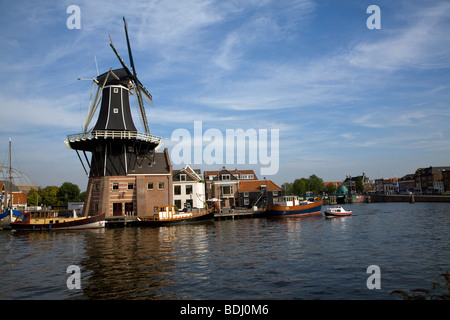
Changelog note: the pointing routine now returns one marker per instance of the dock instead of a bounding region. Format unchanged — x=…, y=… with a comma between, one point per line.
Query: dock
x=225, y=214
x=121, y=221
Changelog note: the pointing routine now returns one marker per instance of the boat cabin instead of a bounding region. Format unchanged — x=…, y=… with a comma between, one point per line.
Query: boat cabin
x=287, y=201
x=49, y=217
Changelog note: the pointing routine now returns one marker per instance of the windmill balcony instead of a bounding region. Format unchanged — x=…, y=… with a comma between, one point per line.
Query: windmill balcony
x=112, y=134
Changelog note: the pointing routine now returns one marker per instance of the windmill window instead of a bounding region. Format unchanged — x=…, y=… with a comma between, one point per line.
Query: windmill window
x=116, y=110
x=116, y=90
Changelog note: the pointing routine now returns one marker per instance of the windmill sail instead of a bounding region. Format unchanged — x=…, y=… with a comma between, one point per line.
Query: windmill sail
x=141, y=92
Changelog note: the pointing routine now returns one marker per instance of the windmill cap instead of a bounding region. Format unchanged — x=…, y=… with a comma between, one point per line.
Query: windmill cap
x=123, y=76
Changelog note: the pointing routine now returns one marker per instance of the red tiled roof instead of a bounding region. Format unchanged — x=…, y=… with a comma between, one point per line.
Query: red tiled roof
x=255, y=185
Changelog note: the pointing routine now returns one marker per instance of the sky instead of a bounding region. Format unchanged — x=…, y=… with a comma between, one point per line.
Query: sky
x=344, y=98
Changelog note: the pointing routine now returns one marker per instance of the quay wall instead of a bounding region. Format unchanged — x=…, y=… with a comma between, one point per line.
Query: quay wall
x=407, y=198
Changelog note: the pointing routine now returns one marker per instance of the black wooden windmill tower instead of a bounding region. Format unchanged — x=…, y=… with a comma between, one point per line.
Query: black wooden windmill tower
x=121, y=155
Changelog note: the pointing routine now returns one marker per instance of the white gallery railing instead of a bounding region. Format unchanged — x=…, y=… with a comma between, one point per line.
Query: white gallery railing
x=110, y=134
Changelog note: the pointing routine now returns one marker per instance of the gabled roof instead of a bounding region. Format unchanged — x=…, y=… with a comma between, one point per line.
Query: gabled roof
x=191, y=174
x=207, y=174
x=8, y=186
x=255, y=185
x=160, y=165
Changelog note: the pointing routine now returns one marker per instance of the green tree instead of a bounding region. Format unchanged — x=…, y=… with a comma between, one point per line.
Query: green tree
x=315, y=184
x=68, y=192
x=330, y=188
x=287, y=188
x=49, y=196
x=359, y=185
x=33, y=197
x=300, y=186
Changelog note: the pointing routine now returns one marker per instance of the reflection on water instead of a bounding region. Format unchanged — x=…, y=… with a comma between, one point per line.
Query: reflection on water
x=284, y=258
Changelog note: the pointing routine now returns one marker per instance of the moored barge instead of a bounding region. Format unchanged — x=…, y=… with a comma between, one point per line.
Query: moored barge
x=168, y=215
x=56, y=220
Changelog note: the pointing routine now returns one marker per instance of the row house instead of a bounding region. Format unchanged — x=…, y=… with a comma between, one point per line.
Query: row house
x=407, y=183
x=431, y=180
x=257, y=193
x=224, y=185
x=188, y=189
x=446, y=180
x=386, y=186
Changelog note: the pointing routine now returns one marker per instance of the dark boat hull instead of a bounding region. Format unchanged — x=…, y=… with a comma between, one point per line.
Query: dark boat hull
x=87, y=223
x=293, y=211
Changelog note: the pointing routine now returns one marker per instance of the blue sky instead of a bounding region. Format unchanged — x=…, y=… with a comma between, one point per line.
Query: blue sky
x=344, y=98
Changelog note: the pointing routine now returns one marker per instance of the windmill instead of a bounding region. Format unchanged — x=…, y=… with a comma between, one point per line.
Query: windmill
x=116, y=145
x=126, y=173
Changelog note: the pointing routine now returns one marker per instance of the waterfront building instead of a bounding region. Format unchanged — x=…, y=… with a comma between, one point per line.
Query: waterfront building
x=431, y=180
x=257, y=193
x=224, y=185
x=446, y=180
x=359, y=183
x=387, y=186
x=407, y=183
x=10, y=191
x=188, y=188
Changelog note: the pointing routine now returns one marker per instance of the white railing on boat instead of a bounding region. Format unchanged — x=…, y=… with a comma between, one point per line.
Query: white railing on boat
x=110, y=134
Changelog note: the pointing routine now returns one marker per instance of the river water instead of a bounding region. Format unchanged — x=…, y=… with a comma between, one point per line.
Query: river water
x=284, y=258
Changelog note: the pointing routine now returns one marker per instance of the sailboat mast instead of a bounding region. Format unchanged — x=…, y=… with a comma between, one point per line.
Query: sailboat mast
x=10, y=176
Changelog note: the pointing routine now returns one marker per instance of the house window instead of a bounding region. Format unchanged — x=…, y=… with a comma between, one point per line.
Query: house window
x=275, y=193
x=182, y=177
x=177, y=190
x=178, y=204
x=189, y=189
x=246, y=202
x=115, y=186
x=130, y=186
x=245, y=194
x=226, y=177
x=160, y=185
x=227, y=190
x=150, y=186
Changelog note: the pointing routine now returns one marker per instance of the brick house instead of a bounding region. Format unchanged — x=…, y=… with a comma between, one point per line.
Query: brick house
x=135, y=194
x=431, y=180
x=224, y=185
x=259, y=193
x=407, y=183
